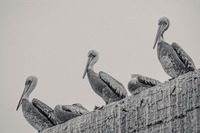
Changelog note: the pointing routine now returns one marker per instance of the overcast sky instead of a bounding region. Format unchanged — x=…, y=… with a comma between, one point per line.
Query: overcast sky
x=51, y=40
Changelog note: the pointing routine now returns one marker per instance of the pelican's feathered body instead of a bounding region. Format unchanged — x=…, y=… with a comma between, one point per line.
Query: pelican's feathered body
x=37, y=113
x=139, y=83
x=64, y=113
x=103, y=84
x=45, y=109
x=174, y=60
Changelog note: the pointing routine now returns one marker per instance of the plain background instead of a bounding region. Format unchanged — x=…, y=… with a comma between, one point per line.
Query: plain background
x=51, y=40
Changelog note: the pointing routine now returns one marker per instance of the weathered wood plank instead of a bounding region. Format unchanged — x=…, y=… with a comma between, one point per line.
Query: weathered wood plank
x=173, y=106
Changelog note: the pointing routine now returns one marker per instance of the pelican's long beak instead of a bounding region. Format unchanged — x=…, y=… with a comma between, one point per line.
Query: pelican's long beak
x=23, y=94
x=158, y=35
x=86, y=67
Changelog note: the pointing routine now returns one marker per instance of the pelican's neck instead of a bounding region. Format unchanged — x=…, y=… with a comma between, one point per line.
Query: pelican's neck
x=163, y=29
x=30, y=89
x=26, y=96
x=93, y=61
x=161, y=38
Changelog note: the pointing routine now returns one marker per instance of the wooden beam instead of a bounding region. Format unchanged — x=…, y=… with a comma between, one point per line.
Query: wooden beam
x=173, y=106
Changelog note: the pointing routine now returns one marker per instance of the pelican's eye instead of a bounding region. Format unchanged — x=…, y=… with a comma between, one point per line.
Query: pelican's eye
x=28, y=82
x=92, y=55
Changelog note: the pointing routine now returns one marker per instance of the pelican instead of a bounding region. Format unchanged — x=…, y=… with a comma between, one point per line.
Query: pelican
x=139, y=83
x=103, y=84
x=174, y=60
x=38, y=114
x=64, y=113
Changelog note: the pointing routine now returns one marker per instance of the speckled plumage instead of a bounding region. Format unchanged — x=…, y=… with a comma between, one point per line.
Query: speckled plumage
x=184, y=57
x=109, y=88
x=103, y=84
x=169, y=60
x=46, y=110
x=64, y=113
x=34, y=117
x=37, y=113
x=139, y=83
x=113, y=84
x=174, y=60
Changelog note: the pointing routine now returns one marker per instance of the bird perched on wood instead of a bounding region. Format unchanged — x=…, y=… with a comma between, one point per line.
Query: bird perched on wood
x=139, y=83
x=37, y=113
x=103, y=84
x=64, y=113
x=174, y=60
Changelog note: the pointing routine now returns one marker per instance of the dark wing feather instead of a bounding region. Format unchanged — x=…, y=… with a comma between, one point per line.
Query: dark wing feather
x=184, y=57
x=148, y=81
x=64, y=113
x=115, y=85
x=45, y=110
x=78, y=110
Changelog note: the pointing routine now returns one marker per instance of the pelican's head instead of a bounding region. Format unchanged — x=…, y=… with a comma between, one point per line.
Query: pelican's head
x=30, y=84
x=135, y=75
x=134, y=78
x=133, y=83
x=163, y=25
x=93, y=56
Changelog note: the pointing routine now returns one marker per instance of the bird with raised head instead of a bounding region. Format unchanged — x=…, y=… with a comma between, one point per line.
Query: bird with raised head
x=174, y=60
x=103, y=84
x=37, y=113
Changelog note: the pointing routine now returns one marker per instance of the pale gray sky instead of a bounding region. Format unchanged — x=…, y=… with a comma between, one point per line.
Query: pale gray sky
x=51, y=40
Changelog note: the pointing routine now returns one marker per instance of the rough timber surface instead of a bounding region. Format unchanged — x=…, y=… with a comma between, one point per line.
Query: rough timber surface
x=170, y=107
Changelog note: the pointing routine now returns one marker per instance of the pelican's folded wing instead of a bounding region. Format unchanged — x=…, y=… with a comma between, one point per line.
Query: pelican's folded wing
x=115, y=85
x=64, y=113
x=76, y=110
x=184, y=57
x=45, y=110
x=148, y=81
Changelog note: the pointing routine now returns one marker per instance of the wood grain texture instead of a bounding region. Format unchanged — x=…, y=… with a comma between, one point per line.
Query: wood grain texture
x=173, y=106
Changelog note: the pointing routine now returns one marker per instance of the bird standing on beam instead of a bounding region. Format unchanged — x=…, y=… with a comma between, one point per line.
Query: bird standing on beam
x=37, y=113
x=103, y=84
x=174, y=60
